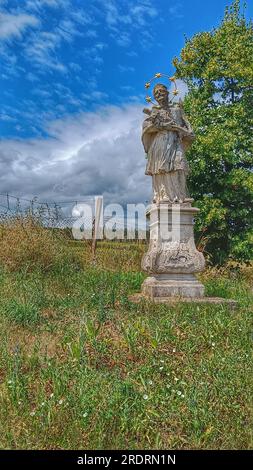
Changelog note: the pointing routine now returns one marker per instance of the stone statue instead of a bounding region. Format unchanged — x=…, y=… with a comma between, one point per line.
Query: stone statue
x=172, y=259
x=166, y=136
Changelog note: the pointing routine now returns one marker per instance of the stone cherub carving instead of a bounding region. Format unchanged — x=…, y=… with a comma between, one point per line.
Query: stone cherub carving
x=166, y=136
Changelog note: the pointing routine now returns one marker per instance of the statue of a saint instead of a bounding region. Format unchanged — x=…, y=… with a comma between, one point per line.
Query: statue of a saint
x=166, y=136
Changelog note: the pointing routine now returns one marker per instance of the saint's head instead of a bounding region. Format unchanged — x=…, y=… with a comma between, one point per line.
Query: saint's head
x=161, y=94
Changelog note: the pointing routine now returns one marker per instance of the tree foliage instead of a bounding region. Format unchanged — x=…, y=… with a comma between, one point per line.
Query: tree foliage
x=218, y=69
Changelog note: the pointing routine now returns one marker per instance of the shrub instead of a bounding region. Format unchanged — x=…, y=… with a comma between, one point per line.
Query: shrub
x=25, y=243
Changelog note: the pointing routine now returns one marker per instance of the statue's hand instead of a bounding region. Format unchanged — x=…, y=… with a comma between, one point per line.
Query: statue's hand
x=165, y=125
x=183, y=131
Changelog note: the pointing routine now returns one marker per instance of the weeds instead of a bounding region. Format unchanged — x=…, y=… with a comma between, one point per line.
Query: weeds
x=83, y=367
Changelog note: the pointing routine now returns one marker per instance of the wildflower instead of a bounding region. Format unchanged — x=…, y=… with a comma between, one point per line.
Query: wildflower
x=60, y=402
x=9, y=382
x=176, y=379
x=51, y=396
x=150, y=382
x=85, y=415
x=213, y=344
x=162, y=361
x=174, y=350
x=179, y=393
x=161, y=368
x=43, y=403
x=145, y=397
x=182, y=396
x=32, y=413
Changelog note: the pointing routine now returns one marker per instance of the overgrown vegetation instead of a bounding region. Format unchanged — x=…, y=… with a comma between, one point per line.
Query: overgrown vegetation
x=83, y=367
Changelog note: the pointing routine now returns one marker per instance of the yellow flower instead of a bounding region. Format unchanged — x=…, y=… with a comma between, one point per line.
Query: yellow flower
x=175, y=92
x=172, y=79
x=148, y=99
x=147, y=85
x=158, y=75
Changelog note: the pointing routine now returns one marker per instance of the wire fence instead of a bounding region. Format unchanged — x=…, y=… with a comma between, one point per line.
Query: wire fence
x=50, y=214
x=57, y=215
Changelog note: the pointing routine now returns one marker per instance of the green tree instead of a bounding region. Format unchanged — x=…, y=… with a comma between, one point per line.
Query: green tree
x=218, y=69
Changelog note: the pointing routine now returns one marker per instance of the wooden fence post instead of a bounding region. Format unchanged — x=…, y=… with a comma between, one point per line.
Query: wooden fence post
x=97, y=225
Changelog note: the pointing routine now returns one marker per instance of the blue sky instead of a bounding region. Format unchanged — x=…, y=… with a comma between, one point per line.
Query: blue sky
x=64, y=62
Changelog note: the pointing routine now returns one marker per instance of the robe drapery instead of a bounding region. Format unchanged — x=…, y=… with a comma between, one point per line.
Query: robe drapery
x=165, y=150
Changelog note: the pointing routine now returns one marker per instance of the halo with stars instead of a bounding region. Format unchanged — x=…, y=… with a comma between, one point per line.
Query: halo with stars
x=175, y=92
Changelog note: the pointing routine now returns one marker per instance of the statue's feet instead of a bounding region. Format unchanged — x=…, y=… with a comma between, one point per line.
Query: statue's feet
x=188, y=199
x=165, y=200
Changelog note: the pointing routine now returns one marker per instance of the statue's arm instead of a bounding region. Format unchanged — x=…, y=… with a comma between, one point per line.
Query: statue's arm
x=187, y=124
x=174, y=127
x=183, y=130
x=149, y=129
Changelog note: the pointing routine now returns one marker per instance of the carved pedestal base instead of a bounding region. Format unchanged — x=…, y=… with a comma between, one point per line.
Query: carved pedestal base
x=179, y=285
x=172, y=258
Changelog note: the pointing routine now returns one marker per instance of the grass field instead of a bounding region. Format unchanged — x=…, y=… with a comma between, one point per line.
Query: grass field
x=82, y=367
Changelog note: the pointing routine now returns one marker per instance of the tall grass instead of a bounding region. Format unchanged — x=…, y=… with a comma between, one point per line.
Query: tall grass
x=83, y=367
x=26, y=244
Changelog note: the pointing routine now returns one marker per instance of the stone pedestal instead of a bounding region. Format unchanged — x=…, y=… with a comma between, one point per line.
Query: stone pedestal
x=172, y=259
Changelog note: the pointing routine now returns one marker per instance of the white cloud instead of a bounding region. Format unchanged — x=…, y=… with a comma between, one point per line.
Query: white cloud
x=95, y=95
x=44, y=49
x=82, y=17
x=7, y=118
x=125, y=18
x=37, y=4
x=176, y=11
x=137, y=15
x=124, y=39
x=91, y=153
x=41, y=50
x=67, y=30
x=141, y=12
x=14, y=25
x=126, y=68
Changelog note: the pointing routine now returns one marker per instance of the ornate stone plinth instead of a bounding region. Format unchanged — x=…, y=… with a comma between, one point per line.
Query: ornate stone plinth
x=169, y=285
x=172, y=259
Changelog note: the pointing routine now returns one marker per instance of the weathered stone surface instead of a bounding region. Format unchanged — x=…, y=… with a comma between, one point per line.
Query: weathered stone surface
x=166, y=135
x=172, y=257
x=179, y=285
x=172, y=248
x=137, y=298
